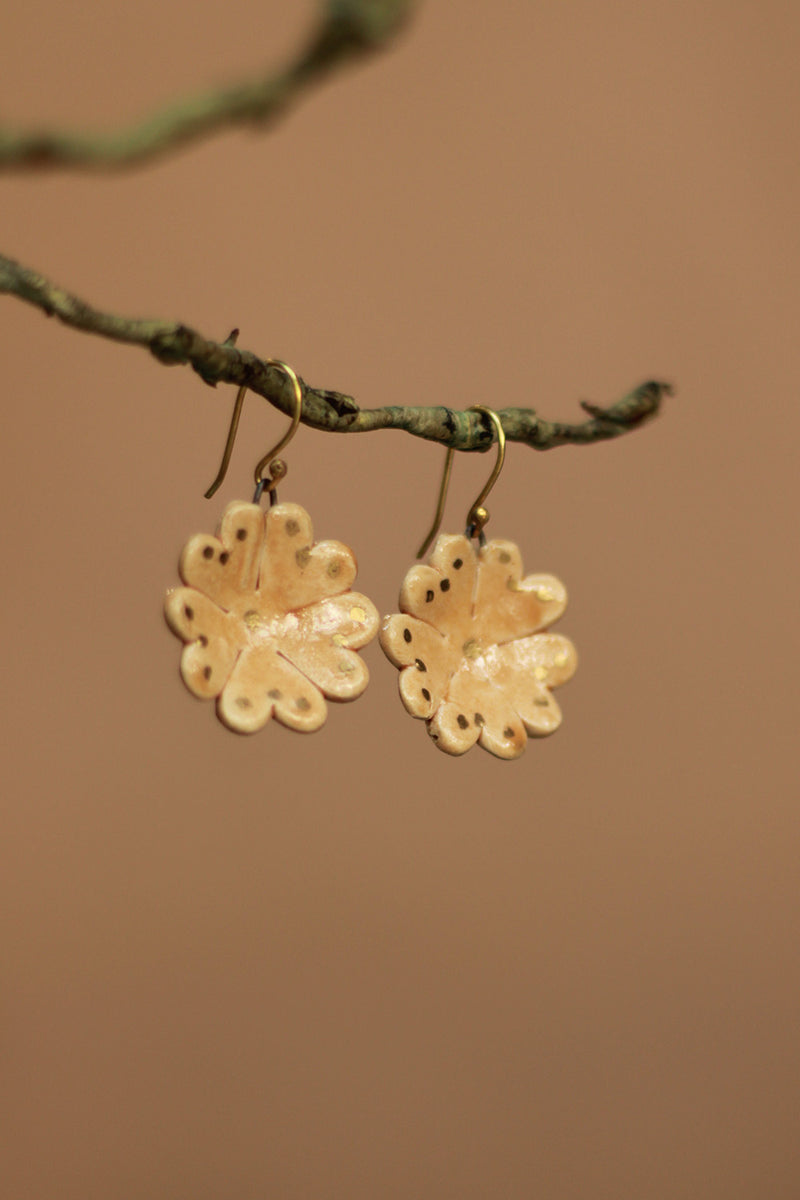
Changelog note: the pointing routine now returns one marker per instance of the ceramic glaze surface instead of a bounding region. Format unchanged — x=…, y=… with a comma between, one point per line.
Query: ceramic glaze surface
x=470, y=640
x=270, y=624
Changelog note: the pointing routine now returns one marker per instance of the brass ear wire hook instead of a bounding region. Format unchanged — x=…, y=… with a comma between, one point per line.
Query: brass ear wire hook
x=477, y=515
x=277, y=467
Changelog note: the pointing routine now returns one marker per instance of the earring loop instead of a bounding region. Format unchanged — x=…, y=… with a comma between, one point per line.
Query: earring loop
x=277, y=466
x=477, y=516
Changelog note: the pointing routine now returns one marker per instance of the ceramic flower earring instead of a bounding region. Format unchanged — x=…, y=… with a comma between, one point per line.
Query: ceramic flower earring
x=471, y=640
x=270, y=624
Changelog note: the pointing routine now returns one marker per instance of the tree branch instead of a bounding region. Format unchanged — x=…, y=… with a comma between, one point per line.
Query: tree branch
x=335, y=412
x=347, y=29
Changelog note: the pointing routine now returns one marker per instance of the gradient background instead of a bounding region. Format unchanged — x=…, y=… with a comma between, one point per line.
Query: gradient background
x=347, y=965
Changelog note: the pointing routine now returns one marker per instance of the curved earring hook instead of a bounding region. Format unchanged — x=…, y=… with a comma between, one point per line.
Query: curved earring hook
x=278, y=466
x=477, y=515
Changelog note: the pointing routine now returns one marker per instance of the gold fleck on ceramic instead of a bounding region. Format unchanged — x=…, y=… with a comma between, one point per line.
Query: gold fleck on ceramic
x=270, y=624
x=476, y=660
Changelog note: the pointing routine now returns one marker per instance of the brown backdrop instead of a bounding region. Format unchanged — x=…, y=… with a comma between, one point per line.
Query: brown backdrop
x=347, y=965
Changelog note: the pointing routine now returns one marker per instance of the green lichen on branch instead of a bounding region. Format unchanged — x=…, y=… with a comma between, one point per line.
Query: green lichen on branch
x=335, y=412
x=347, y=29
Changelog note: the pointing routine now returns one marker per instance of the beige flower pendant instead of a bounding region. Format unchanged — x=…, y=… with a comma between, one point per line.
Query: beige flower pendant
x=476, y=661
x=270, y=624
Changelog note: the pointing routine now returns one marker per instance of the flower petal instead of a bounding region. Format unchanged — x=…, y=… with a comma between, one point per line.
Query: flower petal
x=442, y=592
x=350, y=619
x=406, y=639
x=207, y=660
x=263, y=683
x=421, y=692
x=205, y=668
x=507, y=606
x=451, y=730
x=488, y=710
x=548, y=659
x=503, y=735
x=338, y=672
x=192, y=616
x=294, y=571
x=540, y=711
x=320, y=643
x=526, y=669
x=427, y=657
x=226, y=566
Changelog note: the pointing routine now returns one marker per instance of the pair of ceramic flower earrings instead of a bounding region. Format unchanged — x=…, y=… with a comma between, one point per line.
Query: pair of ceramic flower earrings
x=272, y=626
